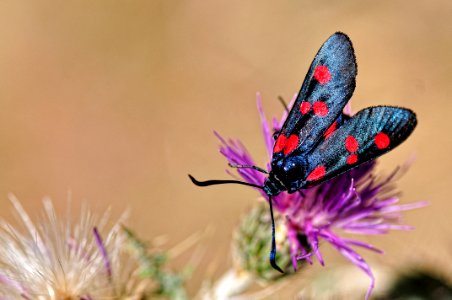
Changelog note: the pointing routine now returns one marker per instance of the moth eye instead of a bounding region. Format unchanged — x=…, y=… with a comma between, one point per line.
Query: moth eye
x=276, y=134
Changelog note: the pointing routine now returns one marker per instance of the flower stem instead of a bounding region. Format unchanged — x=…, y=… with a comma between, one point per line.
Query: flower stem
x=230, y=284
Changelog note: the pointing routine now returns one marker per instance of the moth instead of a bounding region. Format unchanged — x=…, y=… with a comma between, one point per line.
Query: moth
x=318, y=141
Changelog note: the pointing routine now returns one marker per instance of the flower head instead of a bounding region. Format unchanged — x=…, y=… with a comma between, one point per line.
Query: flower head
x=358, y=201
x=56, y=259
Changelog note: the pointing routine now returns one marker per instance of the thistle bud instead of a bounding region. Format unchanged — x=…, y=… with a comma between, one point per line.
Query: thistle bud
x=252, y=242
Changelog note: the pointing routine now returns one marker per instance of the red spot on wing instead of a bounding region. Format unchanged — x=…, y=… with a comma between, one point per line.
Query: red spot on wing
x=351, y=143
x=330, y=130
x=322, y=74
x=320, y=108
x=280, y=143
x=291, y=145
x=353, y=158
x=382, y=140
x=305, y=107
x=316, y=174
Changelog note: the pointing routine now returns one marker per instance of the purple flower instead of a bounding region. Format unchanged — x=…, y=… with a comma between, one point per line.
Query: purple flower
x=358, y=202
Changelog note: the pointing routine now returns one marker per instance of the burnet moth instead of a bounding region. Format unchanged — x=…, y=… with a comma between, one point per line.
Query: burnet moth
x=317, y=141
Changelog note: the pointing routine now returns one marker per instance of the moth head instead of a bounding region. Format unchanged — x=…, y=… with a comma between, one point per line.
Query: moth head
x=291, y=171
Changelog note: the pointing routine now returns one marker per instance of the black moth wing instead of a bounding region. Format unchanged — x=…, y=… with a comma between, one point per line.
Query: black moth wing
x=328, y=86
x=368, y=134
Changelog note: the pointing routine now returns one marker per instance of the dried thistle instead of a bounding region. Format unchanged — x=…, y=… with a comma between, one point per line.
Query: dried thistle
x=57, y=259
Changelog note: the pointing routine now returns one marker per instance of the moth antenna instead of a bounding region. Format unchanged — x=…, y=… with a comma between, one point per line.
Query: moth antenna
x=273, y=249
x=248, y=167
x=216, y=181
x=273, y=246
x=284, y=104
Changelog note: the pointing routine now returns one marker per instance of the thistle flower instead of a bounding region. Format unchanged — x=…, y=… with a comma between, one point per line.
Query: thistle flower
x=56, y=259
x=358, y=201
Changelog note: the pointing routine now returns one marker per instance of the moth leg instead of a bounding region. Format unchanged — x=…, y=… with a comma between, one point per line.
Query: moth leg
x=302, y=194
x=286, y=107
x=248, y=167
x=284, y=104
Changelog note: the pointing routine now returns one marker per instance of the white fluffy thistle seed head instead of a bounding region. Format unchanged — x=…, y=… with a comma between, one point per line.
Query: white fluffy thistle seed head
x=56, y=259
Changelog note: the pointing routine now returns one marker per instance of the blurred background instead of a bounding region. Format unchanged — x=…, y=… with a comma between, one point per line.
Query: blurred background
x=115, y=102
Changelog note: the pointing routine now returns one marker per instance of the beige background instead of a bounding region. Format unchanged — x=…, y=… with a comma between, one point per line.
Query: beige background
x=116, y=101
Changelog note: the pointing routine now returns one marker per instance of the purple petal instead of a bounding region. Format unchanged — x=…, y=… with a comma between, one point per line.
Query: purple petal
x=363, y=245
x=403, y=207
x=103, y=251
x=344, y=222
x=386, y=202
x=313, y=240
x=304, y=256
x=268, y=136
x=351, y=255
x=236, y=153
x=375, y=229
x=365, y=231
x=293, y=246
